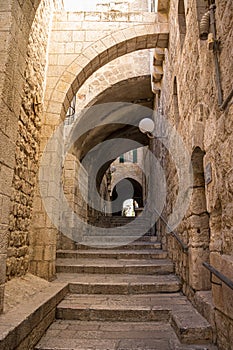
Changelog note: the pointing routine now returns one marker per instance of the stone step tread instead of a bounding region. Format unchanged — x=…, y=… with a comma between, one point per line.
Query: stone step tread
x=116, y=279
x=64, y=334
x=111, y=241
x=99, y=253
x=111, y=251
x=122, y=284
x=107, y=262
x=120, y=266
x=125, y=302
x=188, y=324
x=136, y=244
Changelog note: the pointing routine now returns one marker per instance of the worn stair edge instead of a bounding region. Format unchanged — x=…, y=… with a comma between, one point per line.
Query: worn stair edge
x=116, y=254
x=191, y=327
x=17, y=325
x=113, y=336
x=97, y=288
x=136, y=245
x=131, y=315
x=166, y=268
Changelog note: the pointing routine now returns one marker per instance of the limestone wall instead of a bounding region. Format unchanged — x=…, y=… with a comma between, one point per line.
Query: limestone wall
x=123, y=6
x=190, y=101
x=16, y=20
x=75, y=183
x=27, y=145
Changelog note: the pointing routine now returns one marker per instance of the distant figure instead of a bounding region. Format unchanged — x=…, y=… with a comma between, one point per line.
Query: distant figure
x=128, y=208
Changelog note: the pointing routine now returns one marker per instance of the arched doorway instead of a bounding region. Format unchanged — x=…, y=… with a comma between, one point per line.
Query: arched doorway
x=124, y=187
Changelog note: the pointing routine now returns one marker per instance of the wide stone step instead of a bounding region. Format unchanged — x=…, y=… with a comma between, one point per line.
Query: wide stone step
x=115, y=266
x=112, y=254
x=120, y=284
x=111, y=308
x=189, y=325
x=136, y=245
x=82, y=335
x=108, y=241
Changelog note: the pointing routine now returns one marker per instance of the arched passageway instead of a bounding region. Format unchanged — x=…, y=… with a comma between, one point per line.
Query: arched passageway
x=126, y=186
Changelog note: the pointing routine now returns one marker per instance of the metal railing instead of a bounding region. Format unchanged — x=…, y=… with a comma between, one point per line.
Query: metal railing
x=175, y=235
x=219, y=275
x=181, y=243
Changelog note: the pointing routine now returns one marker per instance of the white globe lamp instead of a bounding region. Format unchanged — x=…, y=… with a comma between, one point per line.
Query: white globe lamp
x=146, y=125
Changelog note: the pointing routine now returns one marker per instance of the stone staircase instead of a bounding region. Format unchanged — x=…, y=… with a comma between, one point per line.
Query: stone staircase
x=126, y=298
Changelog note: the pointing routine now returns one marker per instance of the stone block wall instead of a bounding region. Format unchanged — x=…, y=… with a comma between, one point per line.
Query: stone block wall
x=123, y=6
x=27, y=144
x=75, y=184
x=16, y=20
x=190, y=80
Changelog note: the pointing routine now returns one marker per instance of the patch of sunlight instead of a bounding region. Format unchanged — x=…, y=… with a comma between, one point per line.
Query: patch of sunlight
x=85, y=5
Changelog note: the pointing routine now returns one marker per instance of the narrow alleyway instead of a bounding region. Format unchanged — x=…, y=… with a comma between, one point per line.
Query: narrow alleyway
x=125, y=298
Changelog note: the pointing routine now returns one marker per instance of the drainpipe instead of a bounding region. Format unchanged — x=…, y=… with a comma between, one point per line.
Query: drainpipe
x=215, y=51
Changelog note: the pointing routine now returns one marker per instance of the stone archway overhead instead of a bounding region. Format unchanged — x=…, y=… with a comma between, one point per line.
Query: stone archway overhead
x=103, y=51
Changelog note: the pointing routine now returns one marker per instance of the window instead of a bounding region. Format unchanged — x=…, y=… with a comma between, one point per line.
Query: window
x=181, y=21
x=135, y=156
x=121, y=159
x=176, y=103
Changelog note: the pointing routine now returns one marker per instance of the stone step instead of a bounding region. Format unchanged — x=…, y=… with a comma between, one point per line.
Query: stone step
x=108, y=241
x=115, y=266
x=112, y=254
x=82, y=335
x=136, y=245
x=120, y=284
x=189, y=325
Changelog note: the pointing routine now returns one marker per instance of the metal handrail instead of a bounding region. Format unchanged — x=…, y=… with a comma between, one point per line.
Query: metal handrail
x=175, y=235
x=219, y=275
x=182, y=244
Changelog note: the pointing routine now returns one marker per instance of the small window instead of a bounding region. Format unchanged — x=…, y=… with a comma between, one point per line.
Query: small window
x=121, y=159
x=135, y=156
x=176, y=102
x=181, y=21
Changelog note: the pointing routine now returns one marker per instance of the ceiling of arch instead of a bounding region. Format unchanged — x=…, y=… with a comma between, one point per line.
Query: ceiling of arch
x=136, y=91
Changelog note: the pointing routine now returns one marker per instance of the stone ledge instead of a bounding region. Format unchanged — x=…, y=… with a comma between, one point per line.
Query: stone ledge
x=222, y=294
x=38, y=313
x=204, y=304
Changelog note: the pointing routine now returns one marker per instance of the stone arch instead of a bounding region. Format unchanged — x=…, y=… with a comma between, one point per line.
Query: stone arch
x=131, y=170
x=125, y=68
x=101, y=52
x=138, y=191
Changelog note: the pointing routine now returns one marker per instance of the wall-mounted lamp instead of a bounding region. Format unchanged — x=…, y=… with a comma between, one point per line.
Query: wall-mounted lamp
x=146, y=126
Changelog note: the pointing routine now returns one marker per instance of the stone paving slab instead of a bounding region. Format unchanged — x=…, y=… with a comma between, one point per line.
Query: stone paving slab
x=94, y=335
x=189, y=325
